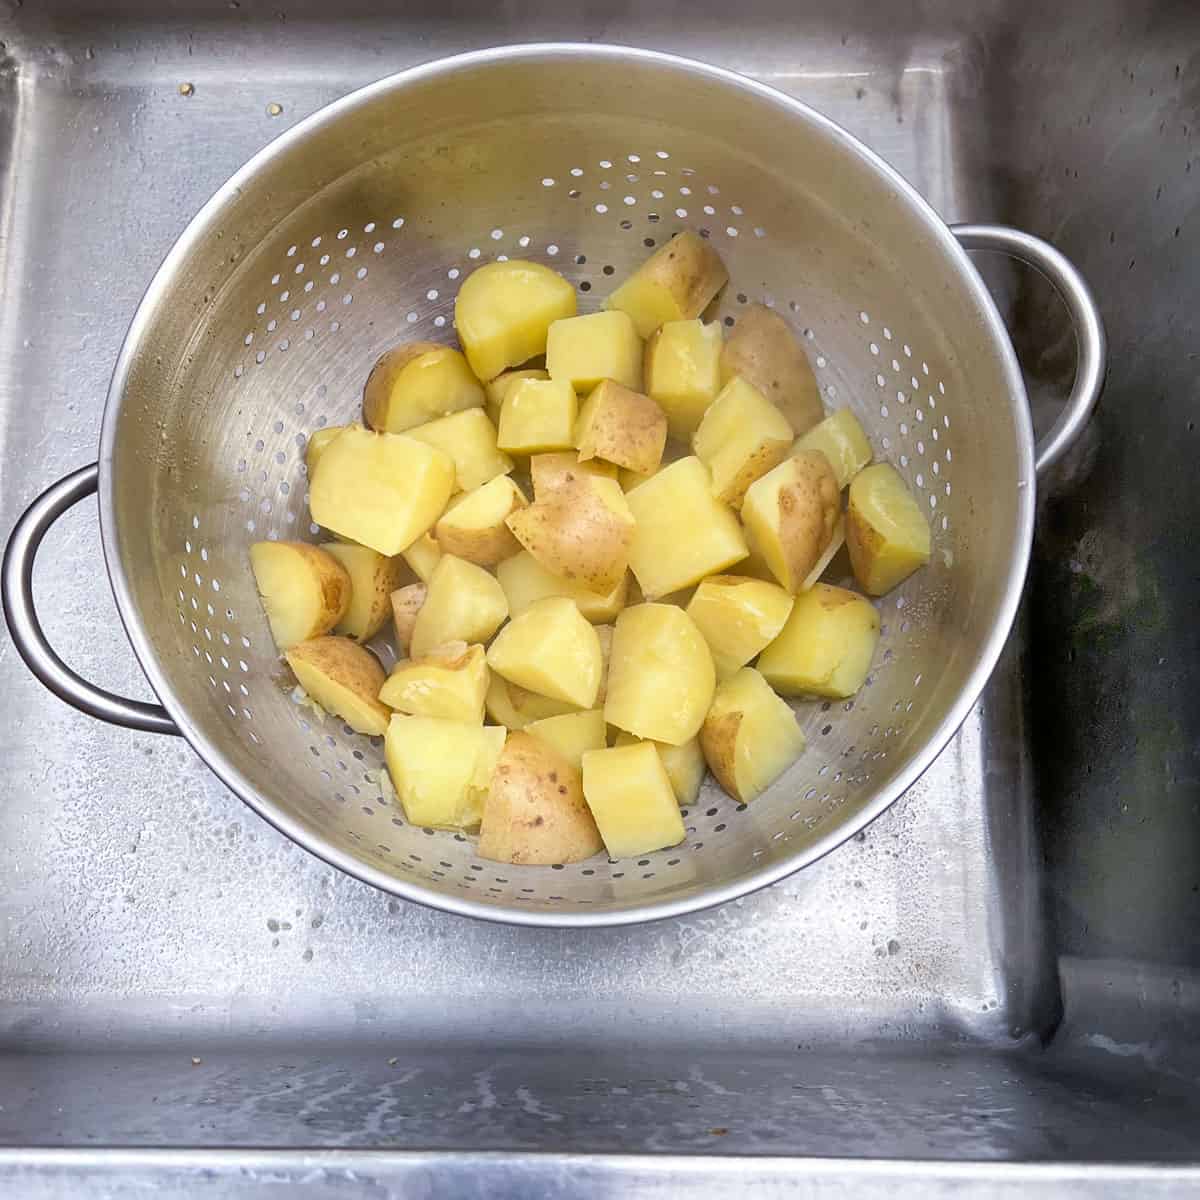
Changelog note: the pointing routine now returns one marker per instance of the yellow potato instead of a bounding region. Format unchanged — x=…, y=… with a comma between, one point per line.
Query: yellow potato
x=750, y=736
x=685, y=765
x=763, y=350
x=660, y=676
x=571, y=734
x=538, y=415
x=886, y=531
x=836, y=542
x=790, y=515
x=738, y=617
x=631, y=799
x=631, y=479
x=683, y=372
x=841, y=439
x=464, y=604
x=676, y=283
x=525, y=581
x=318, y=442
x=548, y=471
x=373, y=579
x=740, y=439
x=498, y=389
x=441, y=770
x=469, y=438
x=682, y=532
x=381, y=490
x=535, y=813
x=622, y=427
x=516, y=707
x=473, y=527
x=422, y=556
x=304, y=590
x=584, y=350
x=418, y=382
x=448, y=682
x=605, y=634
x=504, y=310
x=550, y=649
x=406, y=603
x=344, y=678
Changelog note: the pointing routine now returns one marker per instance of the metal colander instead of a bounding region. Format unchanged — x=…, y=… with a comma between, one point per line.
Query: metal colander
x=355, y=230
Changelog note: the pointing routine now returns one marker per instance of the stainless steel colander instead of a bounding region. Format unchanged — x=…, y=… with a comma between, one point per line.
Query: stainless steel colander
x=354, y=230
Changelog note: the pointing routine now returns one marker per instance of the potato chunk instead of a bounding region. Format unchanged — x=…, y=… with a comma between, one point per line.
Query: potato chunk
x=381, y=490
x=304, y=590
x=418, y=382
x=406, y=603
x=344, y=678
x=535, y=812
x=622, y=427
x=738, y=617
x=422, y=556
x=572, y=734
x=441, y=769
x=826, y=647
x=660, y=676
x=631, y=799
x=497, y=389
x=548, y=471
x=516, y=707
x=525, y=581
x=449, y=682
x=474, y=527
x=469, y=438
x=318, y=443
x=373, y=579
x=550, y=649
x=676, y=283
x=750, y=736
x=683, y=372
x=584, y=350
x=790, y=515
x=684, y=764
x=841, y=439
x=886, y=531
x=505, y=309
x=682, y=532
x=537, y=415
x=464, y=604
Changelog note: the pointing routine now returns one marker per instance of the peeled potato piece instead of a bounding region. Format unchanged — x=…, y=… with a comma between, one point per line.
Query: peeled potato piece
x=738, y=617
x=373, y=579
x=538, y=415
x=344, y=678
x=469, y=438
x=474, y=527
x=841, y=439
x=550, y=649
x=304, y=590
x=463, y=604
x=318, y=442
x=631, y=799
x=622, y=427
x=525, y=581
x=418, y=382
x=497, y=389
x=585, y=350
x=406, y=603
x=684, y=764
x=448, y=682
x=516, y=707
x=683, y=372
x=422, y=556
x=572, y=734
x=886, y=531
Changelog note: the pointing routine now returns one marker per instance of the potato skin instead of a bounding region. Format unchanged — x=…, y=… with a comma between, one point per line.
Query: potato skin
x=406, y=603
x=547, y=471
x=622, y=427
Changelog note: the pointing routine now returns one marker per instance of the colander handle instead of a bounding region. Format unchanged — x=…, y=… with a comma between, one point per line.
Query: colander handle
x=1090, y=343
x=16, y=587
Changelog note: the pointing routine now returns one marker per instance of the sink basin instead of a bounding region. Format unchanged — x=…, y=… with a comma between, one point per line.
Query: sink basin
x=995, y=986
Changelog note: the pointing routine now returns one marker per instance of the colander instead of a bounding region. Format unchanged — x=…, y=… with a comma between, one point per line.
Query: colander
x=353, y=231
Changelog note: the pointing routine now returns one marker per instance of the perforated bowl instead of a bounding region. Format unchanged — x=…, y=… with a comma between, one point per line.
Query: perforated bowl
x=354, y=230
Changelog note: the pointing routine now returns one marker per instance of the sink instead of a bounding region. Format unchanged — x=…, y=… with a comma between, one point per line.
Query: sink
x=993, y=987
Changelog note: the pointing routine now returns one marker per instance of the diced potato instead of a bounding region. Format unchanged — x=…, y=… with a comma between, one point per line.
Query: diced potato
x=381, y=490
x=683, y=372
x=631, y=479
x=418, y=382
x=449, y=682
x=373, y=579
x=304, y=590
x=498, y=389
x=886, y=531
x=516, y=707
x=535, y=812
x=537, y=415
x=422, y=556
x=763, y=350
x=622, y=427
x=572, y=733
x=469, y=438
x=676, y=283
x=344, y=678
x=526, y=581
x=318, y=442
x=836, y=542
x=441, y=769
x=464, y=604
x=580, y=531
x=406, y=603
x=550, y=649
x=661, y=675
x=740, y=439
x=504, y=310
x=738, y=617
x=841, y=439
x=548, y=471
x=584, y=350
x=682, y=532
x=632, y=800
x=684, y=764
x=473, y=527
x=750, y=736
x=826, y=647
x=790, y=514
x=605, y=634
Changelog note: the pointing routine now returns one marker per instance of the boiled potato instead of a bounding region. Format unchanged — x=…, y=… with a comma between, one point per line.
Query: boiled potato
x=676, y=283
x=738, y=617
x=684, y=764
x=448, y=682
x=741, y=437
x=631, y=479
x=373, y=579
x=469, y=438
x=682, y=532
x=550, y=649
x=464, y=604
x=525, y=581
x=571, y=734
x=683, y=372
x=604, y=633
x=406, y=603
x=422, y=556
x=418, y=382
x=344, y=678
x=498, y=389
x=547, y=471
x=661, y=675
x=441, y=769
x=516, y=707
x=750, y=736
x=763, y=350
x=318, y=442
x=886, y=531
x=537, y=415
x=790, y=514
x=631, y=799
x=841, y=439
x=622, y=427
x=535, y=813
x=580, y=531
x=584, y=350
x=473, y=527
x=304, y=590
x=836, y=542
x=826, y=647
x=505, y=309
x=381, y=490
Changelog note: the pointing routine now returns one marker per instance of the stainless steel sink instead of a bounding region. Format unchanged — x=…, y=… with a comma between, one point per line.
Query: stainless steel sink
x=995, y=986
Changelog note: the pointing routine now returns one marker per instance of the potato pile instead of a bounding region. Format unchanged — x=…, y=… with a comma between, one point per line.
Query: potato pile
x=584, y=530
